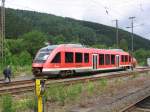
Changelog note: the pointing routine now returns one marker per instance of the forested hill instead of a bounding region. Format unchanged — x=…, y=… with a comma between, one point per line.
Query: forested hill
x=63, y=30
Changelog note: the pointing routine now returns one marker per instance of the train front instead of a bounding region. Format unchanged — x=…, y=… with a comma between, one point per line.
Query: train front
x=40, y=59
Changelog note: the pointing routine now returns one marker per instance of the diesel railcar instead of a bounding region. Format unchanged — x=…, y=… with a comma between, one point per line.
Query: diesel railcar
x=65, y=59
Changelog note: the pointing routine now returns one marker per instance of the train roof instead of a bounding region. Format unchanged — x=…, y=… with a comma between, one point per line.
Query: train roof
x=49, y=48
x=77, y=46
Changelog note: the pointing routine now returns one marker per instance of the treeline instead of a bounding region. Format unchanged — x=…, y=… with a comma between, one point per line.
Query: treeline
x=21, y=51
x=19, y=22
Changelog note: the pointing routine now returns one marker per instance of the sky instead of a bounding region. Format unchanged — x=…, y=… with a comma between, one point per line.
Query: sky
x=99, y=11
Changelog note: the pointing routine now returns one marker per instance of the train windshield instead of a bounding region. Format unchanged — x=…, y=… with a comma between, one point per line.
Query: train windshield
x=42, y=56
x=44, y=53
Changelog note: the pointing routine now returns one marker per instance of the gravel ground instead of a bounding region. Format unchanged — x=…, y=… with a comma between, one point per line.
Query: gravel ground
x=116, y=96
x=104, y=100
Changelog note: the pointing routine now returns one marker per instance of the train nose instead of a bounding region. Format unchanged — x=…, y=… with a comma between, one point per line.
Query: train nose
x=37, y=71
x=37, y=68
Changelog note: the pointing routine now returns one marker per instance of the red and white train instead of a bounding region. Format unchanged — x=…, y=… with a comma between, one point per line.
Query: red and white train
x=67, y=59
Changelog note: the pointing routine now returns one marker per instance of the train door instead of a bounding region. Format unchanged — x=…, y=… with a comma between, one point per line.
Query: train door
x=94, y=61
x=117, y=60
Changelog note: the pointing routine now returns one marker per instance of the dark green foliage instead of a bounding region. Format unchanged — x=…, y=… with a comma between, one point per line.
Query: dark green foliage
x=33, y=41
x=123, y=44
x=60, y=30
x=141, y=55
x=15, y=53
x=32, y=104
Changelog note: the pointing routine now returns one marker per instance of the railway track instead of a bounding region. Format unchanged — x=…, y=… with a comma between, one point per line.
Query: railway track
x=28, y=85
x=140, y=106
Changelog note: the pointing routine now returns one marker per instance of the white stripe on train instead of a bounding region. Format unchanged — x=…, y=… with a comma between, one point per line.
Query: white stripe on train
x=82, y=68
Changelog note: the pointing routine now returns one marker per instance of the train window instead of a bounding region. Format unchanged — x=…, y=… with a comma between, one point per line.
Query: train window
x=112, y=59
x=123, y=58
x=129, y=58
x=57, y=58
x=126, y=58
x=86, y=57
x=107, y=59
x=101, y=59
x=69, y=57
x=78, y=57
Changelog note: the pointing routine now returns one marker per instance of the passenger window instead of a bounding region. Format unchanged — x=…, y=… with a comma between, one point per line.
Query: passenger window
x=122, y=58
x=57, y=58
x=68, y=57
x=126, y=58
x=78, y=57
x=101, y=59
x=86, y=57
x=107, y=59
x=112, y=59
x=129, y=58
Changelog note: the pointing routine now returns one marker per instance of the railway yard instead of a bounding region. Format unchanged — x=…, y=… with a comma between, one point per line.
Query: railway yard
x=118, y=91
x=74, y=56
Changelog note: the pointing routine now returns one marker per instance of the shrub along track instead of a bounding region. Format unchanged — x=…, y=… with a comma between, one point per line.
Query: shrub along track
x=18, y=87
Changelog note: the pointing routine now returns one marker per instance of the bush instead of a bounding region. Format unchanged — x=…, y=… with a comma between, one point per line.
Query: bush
x=62, y=93
x=103, y=82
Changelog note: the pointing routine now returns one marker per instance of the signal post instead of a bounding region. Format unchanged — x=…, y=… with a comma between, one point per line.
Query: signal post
x=39, y=90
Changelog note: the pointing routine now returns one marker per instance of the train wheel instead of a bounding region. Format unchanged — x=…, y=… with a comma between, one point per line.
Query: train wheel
x=63, y=74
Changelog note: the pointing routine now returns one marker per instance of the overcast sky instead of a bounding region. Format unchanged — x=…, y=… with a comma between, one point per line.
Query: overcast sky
x=100, y=11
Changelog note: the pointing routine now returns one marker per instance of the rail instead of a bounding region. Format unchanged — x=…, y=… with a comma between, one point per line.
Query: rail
x=28, y=85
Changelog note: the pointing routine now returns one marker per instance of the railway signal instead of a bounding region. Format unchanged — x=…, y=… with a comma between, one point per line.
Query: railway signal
x=40, y=89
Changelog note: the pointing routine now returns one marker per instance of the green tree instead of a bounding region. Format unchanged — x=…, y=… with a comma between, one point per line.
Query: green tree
x=24, y=58
x=33, y=41
x=100, y=46
x=59, y=39
x=141, y=55
x=15, y=45
x=123, y=44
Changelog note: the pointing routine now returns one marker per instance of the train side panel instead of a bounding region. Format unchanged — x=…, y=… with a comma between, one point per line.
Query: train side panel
x=68, y=59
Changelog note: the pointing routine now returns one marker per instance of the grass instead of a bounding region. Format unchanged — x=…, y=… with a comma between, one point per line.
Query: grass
x=103, y=82
x=90, y=88
x=135, y=74
x=7, y=104
x=62, y=94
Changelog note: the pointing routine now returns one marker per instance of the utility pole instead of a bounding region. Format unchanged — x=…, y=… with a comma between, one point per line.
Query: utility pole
x=132, y=18
x=2, y=31
x=117, y=39
x=132, y=48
